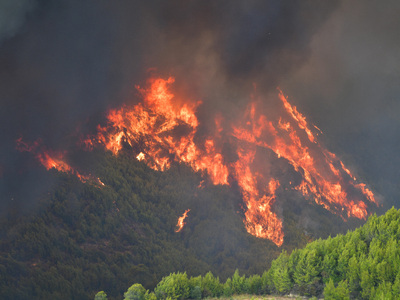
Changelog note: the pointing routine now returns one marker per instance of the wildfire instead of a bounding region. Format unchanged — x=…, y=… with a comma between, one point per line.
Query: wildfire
x=259, y=218
x=52, y=159
x=181, y=221
x=140, y=156
x=155, y=127
x=323, y=173
x=163, y=129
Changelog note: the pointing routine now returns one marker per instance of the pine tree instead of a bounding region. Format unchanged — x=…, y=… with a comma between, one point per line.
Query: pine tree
x=341, y=292
x=100, y=296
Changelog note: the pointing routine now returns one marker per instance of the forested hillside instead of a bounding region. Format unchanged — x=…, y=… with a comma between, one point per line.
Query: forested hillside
x=363, y=264
x=85, y=237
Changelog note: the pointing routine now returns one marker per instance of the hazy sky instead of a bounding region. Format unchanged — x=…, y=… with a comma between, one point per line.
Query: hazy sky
x=64, y=63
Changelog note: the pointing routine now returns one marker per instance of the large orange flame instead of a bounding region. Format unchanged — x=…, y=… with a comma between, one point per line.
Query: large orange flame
x=324, y=178
x=259, y=218
x=153, y=126
x=163, y=129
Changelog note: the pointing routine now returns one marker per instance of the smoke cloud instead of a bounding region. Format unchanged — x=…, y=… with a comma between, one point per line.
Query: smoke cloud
x=12, y=16
x=349, y=86
x=64, y=63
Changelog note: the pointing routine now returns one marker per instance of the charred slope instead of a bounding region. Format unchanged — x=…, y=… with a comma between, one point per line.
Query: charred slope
x=85, y=237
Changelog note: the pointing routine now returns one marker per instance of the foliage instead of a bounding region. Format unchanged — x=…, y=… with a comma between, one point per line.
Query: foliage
x=175, y=286
x=136, y=292
x=100, y=296
x=227, y=291
x=195, y=292
x=364, y=263
x=254, y=285
x=211, y=286
x=238, y=283
x=341, y=292
x=278, y=278
x=82, y=237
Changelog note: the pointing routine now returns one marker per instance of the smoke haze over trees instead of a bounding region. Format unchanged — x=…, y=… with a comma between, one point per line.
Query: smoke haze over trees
x=64, y=63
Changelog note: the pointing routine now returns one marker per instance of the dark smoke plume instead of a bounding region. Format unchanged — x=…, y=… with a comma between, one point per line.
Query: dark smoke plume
x=349, y=86
x=64, y=63
x=12, y=16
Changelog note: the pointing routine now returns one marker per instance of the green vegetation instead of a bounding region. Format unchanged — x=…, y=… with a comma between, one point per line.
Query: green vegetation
x=178, y=286
x=84, y=238
x=363, y=264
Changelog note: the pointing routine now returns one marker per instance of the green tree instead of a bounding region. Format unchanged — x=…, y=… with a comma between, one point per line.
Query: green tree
x=353, y=276
x=211, y=286
x=329, y=267
x=264, y=283
x=100, y=296
x=228, y=288
x=135, y=292
x=307, y=273
x=174, y=286
x=367, y=281
x=253, y=285
x=396, y=285
x=195, y=287
x=278, y=275
x=341, y=292
x=195, y=293
x=384, y=292
x=238, y=283
x=150, y=296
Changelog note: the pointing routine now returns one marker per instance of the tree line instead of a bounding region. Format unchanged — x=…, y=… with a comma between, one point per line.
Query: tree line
x=362, y=264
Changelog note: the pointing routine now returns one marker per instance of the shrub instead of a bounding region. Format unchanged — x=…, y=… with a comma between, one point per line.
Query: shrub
x=100, y=296
x=195, y=293
x=341, y=292
x=174, y=286
x=136, y=292
x=211, y=286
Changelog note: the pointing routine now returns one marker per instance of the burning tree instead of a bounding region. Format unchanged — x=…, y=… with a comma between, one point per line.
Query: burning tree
x=165, y=130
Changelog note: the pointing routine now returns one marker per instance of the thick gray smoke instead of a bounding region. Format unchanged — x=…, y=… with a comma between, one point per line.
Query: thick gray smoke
x=350, y=88
x=12, y=16
x=64, y=63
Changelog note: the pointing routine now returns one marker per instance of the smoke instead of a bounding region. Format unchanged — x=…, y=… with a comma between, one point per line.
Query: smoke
x=12, y=16
x=70, y=61
x=349, y=86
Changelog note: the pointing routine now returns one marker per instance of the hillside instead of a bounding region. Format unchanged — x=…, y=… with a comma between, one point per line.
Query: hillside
x=363, y=264
x=84, y=237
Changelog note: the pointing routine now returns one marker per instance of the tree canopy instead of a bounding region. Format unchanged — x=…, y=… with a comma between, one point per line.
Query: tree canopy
x=362, y=264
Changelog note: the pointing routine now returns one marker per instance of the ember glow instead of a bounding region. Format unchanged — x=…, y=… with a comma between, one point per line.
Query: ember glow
x=52, y=159
x=181, y=221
